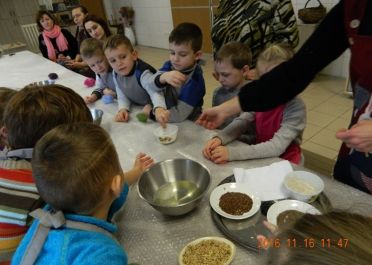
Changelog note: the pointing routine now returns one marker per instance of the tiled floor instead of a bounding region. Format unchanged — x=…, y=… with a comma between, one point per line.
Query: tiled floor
x=328, y=109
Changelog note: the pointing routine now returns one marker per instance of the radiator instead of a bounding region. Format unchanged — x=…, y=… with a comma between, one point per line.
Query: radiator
x=31, y=34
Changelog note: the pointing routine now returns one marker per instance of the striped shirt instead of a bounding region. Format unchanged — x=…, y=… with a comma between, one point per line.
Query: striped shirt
x=18, y=197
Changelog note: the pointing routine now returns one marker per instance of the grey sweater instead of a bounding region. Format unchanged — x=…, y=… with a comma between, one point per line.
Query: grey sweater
x=291, y=129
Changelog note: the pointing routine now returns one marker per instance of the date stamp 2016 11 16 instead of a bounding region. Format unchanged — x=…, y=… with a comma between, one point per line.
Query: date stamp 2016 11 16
x=303, y=243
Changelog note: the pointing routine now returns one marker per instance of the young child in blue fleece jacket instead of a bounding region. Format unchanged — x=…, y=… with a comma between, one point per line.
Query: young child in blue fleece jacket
x=83, y=187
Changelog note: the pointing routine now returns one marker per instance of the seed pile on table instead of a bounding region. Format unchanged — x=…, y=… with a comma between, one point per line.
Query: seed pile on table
x=235, y=203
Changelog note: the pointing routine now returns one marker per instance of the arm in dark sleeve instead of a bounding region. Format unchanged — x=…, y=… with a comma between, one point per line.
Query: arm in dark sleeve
x=290, y=78
x=42, y=47
x=73, y=49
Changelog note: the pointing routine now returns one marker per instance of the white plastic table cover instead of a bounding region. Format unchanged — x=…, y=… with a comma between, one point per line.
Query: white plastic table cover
x=148, y=236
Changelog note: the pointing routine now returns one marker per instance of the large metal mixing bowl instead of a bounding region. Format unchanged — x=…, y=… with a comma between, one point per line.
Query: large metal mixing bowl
x=175, y=186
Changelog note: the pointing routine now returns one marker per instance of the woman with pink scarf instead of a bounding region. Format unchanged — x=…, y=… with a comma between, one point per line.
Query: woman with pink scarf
x=55, y=43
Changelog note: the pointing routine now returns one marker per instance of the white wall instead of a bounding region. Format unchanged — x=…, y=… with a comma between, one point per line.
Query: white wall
x=153, y=23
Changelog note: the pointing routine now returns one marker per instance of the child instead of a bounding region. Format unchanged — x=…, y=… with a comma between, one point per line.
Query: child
x=83, y=187
x=30, y=113
x=92, y=53
x=131, y=77
x=327, y=239
x=277, y=132
x=181, y=78
x=5, y=95
x=231, y=66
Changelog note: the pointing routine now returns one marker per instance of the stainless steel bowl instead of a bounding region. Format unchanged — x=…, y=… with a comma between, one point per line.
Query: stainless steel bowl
x=96, y=115
x=175, y=186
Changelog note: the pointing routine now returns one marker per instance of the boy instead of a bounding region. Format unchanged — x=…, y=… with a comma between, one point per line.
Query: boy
x=91, y=51
x=231, y=68
x=83, y=187
x=276, y=132
x=181, y=78
x=131, y=77
x=30, y=113
x=5, y=95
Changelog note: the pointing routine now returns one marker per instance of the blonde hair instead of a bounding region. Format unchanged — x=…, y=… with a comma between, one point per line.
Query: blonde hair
x=71, y=172
x=334, y=238
x=91, y=47
x=276, y=53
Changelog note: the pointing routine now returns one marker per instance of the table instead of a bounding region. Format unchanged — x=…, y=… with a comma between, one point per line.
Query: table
x=148, y=236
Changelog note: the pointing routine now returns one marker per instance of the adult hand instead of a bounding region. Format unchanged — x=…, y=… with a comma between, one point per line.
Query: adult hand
x=220, y=155
x=162, y=116
x=214, y=117
x=358, y=137
x=210, y=146
x=173, y=78
x=211, y=118
x=72, y=64
x=122, y=116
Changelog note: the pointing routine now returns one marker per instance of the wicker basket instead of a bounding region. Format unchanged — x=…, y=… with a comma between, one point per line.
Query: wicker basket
x=311, y=15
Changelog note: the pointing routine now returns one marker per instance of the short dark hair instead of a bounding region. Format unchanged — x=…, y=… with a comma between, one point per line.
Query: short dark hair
x=83, y=9
x=90, y=47
x=186, y=33
x=5, y=95
x=70, y=172
x=116, y=40
x=40, y=14
x=35, y=110
x=99, y=21
x=239, y=54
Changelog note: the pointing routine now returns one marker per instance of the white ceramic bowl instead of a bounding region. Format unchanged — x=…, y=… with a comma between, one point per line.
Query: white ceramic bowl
x=303, y=186
x=166, y=135
x=199, y=240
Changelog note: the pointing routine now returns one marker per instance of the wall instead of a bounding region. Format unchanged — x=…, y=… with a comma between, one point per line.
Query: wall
x=153, y=23
x=153, y=20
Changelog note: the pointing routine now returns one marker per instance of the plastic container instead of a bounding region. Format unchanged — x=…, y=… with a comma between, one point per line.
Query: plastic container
x=303, y=186
x=166, y=135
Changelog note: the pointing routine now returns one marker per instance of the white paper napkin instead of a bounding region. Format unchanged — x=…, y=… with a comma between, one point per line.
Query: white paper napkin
x=266, y=181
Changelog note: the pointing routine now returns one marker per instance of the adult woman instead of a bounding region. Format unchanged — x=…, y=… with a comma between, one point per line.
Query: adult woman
x=330, y=40
x=254, y=22
x=79, y=13
x=96, y=27
x=55, y=43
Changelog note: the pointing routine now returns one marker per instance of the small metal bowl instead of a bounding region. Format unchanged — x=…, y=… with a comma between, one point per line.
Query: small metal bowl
x=175, y=186
x=96, y=115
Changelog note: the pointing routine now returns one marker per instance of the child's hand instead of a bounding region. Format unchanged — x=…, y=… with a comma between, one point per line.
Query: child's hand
x=162, y=116
x=220, y=155
x=210, y=146
x=122, y=116
x=142, y=162
x=108, y=91
x=262, y=240
x=173, y=78
x=90, y=99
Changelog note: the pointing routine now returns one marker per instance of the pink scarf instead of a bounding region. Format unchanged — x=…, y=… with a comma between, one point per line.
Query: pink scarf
x=62, y=43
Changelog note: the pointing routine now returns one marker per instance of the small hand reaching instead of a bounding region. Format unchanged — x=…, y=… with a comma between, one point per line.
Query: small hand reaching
x=173, y=78
x=162, y=116
x=122, y=116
